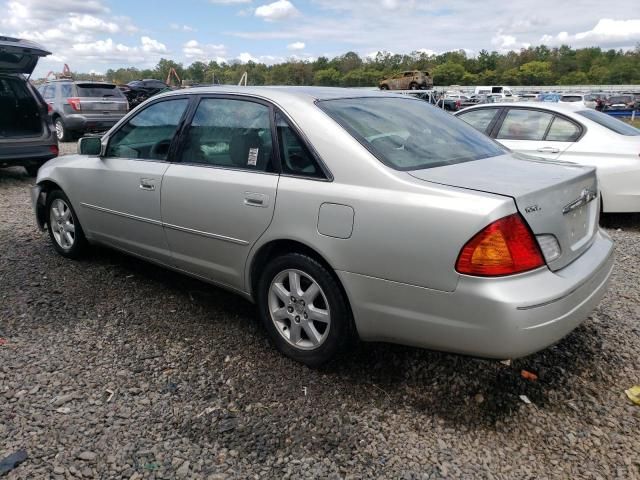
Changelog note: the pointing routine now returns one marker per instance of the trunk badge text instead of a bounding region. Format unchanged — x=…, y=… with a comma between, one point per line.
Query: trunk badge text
x=585, y=197
x=533, y=208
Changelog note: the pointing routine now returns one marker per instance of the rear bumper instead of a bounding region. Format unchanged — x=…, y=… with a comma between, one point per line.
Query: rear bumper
x=91, y=123
x=27, y=154
x=506, y=317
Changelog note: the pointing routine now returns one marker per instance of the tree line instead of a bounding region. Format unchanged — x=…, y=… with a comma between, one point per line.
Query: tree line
x=538, y=65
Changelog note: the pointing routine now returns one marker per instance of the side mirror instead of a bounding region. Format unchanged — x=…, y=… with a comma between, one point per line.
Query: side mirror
x=90, y=146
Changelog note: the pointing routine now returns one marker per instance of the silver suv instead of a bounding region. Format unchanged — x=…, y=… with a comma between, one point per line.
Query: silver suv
x=77, y=107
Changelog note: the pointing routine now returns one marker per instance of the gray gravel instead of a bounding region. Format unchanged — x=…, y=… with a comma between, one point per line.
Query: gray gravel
x=114, y=368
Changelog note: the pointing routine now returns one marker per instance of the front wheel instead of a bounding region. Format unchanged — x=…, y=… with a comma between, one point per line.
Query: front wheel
x=384, y=87
x=303, y=309
x=64, y=228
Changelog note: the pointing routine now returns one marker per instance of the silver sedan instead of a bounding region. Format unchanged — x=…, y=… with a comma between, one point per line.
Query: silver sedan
x=342, y=214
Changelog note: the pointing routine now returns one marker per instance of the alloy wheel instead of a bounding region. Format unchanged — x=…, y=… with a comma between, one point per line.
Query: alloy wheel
x=299, y=309
x=62, y=224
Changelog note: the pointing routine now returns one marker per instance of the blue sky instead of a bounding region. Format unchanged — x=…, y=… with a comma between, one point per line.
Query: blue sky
x=94, y=35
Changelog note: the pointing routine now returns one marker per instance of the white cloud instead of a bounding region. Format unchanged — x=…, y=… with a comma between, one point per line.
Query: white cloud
x=183, y=28
x=229, y=2
x=606, y=31
x=90, y=23
x=427, y=51
x=296, y=46
x=279, y=10
x=152, y=46
x=194, y=50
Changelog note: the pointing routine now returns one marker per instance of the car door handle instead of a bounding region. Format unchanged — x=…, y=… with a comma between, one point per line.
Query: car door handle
x=253, y=199
x=548, y=150
x=147, y=184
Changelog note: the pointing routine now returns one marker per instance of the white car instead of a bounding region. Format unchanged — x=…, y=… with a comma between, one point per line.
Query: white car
x=571, y=133
x=579, y=98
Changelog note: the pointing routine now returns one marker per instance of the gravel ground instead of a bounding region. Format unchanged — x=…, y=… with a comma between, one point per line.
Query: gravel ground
x=114, y=368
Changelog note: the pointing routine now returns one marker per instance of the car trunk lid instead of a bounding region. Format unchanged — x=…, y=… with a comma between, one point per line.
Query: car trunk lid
x=100, y=98
x=19, y=56
x=555, y=198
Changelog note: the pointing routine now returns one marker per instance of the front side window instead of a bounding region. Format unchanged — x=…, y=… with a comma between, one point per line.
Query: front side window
x=148, y=135
x=295, y=157
x=230, y=133
x=409, y=134
x=480, y=119
x=523, y=124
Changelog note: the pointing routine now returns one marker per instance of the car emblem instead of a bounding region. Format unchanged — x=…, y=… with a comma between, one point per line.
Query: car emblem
x=585, y=197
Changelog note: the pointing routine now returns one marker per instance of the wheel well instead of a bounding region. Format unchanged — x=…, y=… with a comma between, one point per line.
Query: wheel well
x=41, y=214
x=276, y=248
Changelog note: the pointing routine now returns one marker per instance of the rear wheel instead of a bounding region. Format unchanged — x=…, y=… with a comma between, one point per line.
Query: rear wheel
x=413, y=86
x=63, y=134
x=303, y=309
x=384, y=87
x=64, y=228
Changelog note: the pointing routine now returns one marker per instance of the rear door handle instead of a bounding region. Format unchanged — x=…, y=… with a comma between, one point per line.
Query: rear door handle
x=254, y=199
x=549, y=150
x=147, y=184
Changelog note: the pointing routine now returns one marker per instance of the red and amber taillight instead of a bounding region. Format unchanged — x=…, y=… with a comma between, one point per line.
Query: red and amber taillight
x=504, y=247
x=75, y=103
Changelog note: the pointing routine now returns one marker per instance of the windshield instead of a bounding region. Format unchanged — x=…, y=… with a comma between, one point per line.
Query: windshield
x=611, y=123
x=571, y=98
x=98, y=90
x=408, y=134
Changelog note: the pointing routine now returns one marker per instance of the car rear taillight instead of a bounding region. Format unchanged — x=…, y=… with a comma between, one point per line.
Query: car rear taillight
x=54, y=149
x=49, y=108
x=505, y=247
x=75, y=103
x=458, y=103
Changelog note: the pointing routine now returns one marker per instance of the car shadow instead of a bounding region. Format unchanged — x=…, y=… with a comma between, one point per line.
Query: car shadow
x=620, y=220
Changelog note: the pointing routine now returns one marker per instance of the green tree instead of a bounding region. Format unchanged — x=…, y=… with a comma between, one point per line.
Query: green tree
x=329, y=77
x=448, y=74
x=535, y=73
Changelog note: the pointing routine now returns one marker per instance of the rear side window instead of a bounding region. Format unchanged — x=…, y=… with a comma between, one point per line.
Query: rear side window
x=563, y=130
x=230, y=133
x=97, y=90
x=295, y=157
x=148, y=134
x=480, y=119
x=409, y=134
x=66, y=90
x=611, y=123
x=522, y=124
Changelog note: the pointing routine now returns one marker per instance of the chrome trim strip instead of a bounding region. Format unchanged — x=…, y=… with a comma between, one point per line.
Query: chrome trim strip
x=167, y=225
x=206, y=234
x=122, y=214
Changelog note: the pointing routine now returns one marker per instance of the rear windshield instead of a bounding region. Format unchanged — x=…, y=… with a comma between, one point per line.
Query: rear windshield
x=571, y=98
x=409, y=134
x=97, y=90
x=611, y=123
x=621, y=99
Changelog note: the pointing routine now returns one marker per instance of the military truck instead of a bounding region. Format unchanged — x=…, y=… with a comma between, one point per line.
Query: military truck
x=411, y=80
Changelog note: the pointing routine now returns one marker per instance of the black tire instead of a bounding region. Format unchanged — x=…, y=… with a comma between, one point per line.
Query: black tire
x=341, y=331
x=79, y=245
x=62, y=133
x=32, y=170
x=413, y=86
x=384, y=87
